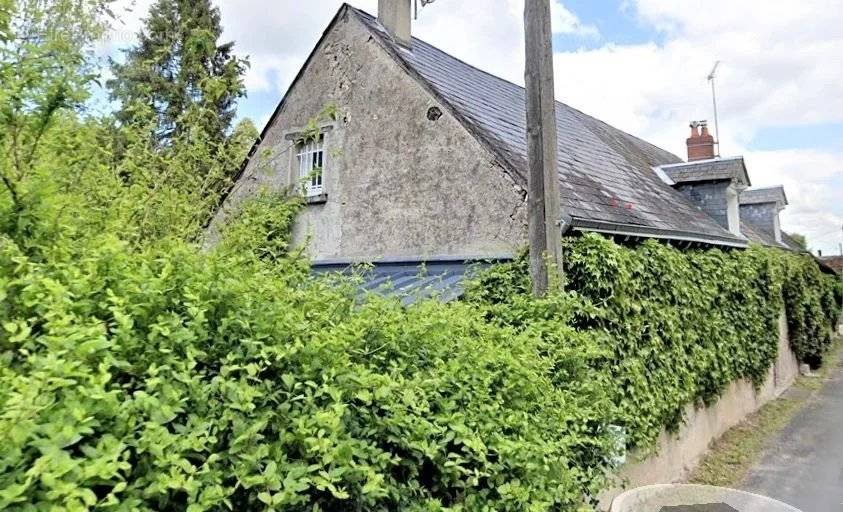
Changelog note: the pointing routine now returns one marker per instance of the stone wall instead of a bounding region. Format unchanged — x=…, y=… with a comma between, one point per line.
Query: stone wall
x=678, y=454
x=403, y=177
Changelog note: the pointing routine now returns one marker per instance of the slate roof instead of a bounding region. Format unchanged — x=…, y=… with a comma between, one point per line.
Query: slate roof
x=791, y=243
x=718, y=169
x=607, y=180
x=761, y=236
x=764, y=195
x=410, y=281
x=758, y=235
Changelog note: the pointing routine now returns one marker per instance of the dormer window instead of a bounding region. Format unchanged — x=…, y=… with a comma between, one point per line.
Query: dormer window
x=714, y=185
x=311, y=161
x=762, y=206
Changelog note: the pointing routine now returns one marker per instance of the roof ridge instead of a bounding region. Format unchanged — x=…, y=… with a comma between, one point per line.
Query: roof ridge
x=594, y=201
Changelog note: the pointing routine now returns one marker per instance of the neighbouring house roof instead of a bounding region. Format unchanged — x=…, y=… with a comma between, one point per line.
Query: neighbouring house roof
x=833, y=262
x=717, y=169
x=764, y=195
x=606, y=175
x=411, y=281
x=757, y=234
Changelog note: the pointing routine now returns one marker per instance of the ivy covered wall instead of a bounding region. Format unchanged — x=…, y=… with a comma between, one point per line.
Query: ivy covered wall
x=677, y=327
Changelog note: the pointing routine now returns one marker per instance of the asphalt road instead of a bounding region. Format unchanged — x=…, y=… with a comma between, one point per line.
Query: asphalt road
x=803, y=466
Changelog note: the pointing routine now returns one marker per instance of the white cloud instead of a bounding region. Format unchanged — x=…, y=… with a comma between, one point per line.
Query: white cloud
x=564, y=21
x=489, y=34
x=128, y=20
x=277, y=36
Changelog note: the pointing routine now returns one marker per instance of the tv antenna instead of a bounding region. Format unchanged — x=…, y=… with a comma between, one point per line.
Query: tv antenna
x=423, y=4
x=711, y=77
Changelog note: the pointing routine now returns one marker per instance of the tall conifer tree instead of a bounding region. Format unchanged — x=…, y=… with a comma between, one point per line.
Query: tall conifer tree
x=179, y=72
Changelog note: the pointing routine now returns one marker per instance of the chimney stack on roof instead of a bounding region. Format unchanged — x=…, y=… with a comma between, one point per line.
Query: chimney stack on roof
x=396, y=18
x=700, y=143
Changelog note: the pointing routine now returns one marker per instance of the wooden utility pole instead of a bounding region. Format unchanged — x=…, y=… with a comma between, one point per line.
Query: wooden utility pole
x=544, y=210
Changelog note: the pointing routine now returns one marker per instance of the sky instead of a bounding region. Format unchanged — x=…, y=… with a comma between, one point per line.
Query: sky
x=640, y=65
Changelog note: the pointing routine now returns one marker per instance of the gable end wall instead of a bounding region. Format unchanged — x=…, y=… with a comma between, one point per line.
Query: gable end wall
x=399, y=185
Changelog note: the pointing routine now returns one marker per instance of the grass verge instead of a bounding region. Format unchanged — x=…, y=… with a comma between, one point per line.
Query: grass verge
x=731, y=456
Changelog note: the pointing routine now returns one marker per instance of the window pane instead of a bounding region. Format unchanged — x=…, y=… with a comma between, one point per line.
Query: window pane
x=311, y=159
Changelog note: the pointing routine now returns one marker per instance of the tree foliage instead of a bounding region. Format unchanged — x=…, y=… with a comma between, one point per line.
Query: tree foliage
x=800, y=240
x=45, y=68
x=178, y=74
x=165, y=379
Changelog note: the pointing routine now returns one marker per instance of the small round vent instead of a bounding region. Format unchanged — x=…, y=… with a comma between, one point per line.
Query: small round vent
x=434, y=113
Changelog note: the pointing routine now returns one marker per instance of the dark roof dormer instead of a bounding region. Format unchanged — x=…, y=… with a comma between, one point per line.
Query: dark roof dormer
x=761, y=207
x=712, y=184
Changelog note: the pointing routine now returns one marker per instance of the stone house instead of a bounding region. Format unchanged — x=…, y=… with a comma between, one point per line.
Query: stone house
x=424, y=160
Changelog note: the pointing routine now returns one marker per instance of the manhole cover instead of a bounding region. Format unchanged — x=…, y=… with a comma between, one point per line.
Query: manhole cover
x=694, y=498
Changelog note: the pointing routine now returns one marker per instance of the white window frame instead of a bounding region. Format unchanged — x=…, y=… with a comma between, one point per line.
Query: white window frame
x=310, y=157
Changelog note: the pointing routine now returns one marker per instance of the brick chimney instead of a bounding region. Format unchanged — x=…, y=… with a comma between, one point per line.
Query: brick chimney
x=700, y=143
x=395, y=16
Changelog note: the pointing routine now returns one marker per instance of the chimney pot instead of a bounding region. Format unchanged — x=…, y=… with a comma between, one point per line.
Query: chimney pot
x=395, y=16
x=700, y=144
x=695, y=132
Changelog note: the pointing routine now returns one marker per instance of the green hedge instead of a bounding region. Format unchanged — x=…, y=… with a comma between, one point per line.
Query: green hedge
x=170, y=379
x=679, y=326
x=813, y=305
